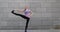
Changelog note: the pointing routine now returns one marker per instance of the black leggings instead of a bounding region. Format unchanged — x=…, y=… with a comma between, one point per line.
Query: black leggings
x=23, y=16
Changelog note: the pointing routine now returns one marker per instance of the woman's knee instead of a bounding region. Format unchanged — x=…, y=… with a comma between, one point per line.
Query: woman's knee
x=28, y=18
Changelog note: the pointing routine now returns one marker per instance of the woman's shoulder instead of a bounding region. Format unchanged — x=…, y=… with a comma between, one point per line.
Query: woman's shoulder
x=28, y=10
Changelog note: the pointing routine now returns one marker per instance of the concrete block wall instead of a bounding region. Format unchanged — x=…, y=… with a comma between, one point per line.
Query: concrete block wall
x=45, y=12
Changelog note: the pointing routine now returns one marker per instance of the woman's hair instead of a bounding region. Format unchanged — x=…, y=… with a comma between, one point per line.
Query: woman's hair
x=24, y=9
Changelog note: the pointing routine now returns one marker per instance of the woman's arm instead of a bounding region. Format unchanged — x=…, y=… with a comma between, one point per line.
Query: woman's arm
x=30, y=13
x=21, y=11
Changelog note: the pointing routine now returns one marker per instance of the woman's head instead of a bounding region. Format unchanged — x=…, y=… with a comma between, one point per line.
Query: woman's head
x=26, y=7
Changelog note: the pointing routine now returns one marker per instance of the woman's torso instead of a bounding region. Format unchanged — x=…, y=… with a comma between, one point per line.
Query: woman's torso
x=27, y=12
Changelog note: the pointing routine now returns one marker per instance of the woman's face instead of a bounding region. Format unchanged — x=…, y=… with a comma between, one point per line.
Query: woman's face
x=26, y=7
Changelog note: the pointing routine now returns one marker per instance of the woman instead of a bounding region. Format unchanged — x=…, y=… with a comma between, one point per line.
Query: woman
x=27, y=14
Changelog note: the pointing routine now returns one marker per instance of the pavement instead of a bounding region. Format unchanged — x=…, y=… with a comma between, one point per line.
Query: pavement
x=52, y=30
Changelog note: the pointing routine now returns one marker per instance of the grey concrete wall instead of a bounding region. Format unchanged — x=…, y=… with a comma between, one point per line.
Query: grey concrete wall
x=45, y=12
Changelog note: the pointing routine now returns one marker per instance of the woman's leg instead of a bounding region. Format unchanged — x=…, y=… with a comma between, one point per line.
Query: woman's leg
x=23, y=16
x=26, y=27
x=27, y=18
